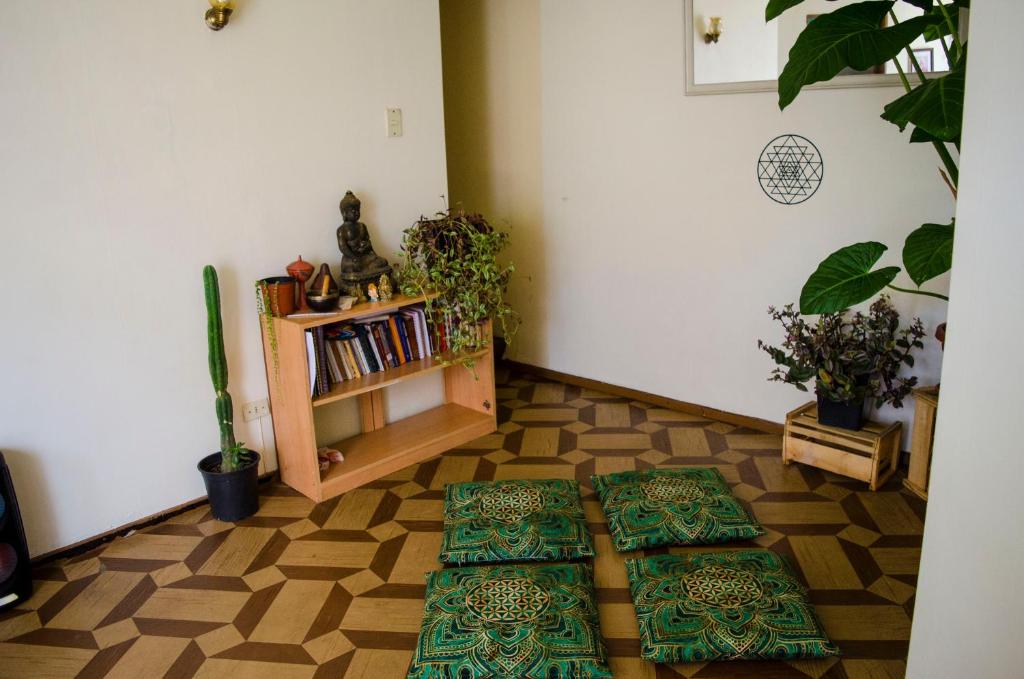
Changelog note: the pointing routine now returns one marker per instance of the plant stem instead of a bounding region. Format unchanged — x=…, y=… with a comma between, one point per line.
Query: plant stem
x=903, y=76
x=919, y=292
x=952, y=29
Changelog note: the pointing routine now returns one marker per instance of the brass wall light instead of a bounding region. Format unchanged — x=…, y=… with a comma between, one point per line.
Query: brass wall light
x=219, y=13
x=714, y=31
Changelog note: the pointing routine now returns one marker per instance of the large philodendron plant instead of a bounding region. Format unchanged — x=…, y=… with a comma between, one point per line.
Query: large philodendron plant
x=856, y=36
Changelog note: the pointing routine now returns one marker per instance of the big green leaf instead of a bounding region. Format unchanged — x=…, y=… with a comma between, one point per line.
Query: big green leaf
x=777, y=7
x=845, y=278
x=928, y=252
x=850, y=37
x=941, y=30
x=919, y=136
x=923, y=4
x=937, y=107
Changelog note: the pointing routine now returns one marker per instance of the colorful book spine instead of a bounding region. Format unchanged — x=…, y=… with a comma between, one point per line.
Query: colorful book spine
x=380, y=336
x=351, y=361
x=396, y=340
x=357, y=349
x=403, y=339
x=323, y=381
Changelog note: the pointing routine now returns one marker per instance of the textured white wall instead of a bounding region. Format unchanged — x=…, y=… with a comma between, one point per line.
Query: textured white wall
x=649, y=255
x=969, y=597
x=138, y=145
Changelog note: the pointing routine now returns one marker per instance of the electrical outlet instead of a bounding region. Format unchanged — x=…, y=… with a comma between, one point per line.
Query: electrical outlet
x=254, y=410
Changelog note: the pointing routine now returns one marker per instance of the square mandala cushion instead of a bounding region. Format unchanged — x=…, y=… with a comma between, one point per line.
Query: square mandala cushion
x=672, y=507
x=510, y=622
x=503, y=521
x=741, y=605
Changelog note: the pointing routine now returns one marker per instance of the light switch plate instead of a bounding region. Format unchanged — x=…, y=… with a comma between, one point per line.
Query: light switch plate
x=394, y=122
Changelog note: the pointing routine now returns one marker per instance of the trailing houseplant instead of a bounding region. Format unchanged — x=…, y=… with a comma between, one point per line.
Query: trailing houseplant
x=455, y=255
x=230, y=475
x=850, y=356
x=856, y=36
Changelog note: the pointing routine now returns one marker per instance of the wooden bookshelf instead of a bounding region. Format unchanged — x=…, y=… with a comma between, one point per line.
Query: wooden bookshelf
x=382, y=447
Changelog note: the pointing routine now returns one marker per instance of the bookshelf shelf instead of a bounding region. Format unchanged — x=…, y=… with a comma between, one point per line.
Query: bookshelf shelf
x=373, y=381
x=382, y=447
x=383, y=451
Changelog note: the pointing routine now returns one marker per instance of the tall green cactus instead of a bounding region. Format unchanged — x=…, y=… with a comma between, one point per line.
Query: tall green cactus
x=230, y=451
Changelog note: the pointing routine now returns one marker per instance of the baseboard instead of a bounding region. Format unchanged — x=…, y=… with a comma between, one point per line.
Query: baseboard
x=756, y=423
x=89, y=544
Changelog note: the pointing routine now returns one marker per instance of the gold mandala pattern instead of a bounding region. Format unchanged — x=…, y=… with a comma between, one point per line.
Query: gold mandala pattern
x=511, y=503
x=510, y=601
x=722, y=587
x=672, y=489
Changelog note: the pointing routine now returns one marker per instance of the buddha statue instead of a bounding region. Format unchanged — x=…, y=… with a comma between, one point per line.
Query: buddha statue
x=358, y=260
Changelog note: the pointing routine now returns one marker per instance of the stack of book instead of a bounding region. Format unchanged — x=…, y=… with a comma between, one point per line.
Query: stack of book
x=348, y=351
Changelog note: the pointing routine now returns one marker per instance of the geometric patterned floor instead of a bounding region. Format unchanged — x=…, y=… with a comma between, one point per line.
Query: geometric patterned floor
x=336, y=589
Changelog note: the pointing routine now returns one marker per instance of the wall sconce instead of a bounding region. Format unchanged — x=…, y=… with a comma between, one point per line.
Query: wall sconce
x=219, y=13
x=714, y=31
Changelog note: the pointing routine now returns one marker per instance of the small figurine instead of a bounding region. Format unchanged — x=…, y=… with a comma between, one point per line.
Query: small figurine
x=301, y=271
x=384, y=288
x=359, y=263
x=371, y=292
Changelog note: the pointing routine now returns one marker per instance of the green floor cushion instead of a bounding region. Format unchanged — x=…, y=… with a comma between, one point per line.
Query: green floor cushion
x=737, y=605
x=536, y=621
x=502, y=521
x=661, y=507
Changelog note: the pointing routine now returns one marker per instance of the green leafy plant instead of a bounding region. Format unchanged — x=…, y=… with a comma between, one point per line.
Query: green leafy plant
x=233, y=454
x=455, y=255
x=855, y=36
x=850, y=357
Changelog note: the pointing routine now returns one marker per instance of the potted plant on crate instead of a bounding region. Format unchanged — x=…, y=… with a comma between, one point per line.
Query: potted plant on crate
x=850, y=357
x=230, y=475
x=455, y=255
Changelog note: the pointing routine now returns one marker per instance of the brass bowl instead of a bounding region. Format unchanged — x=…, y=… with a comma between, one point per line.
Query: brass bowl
x=328, y=302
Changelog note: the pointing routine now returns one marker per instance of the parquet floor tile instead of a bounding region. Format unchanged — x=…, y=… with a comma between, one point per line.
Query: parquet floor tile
x=336, y=589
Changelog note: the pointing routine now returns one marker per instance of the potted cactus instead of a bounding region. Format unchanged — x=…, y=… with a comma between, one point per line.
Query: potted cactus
x=230, y=475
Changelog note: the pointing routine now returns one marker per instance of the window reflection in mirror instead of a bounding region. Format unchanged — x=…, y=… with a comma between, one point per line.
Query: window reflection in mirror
x=750, y=50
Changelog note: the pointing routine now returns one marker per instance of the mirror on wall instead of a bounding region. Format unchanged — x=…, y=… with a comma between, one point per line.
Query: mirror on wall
x=748, y=54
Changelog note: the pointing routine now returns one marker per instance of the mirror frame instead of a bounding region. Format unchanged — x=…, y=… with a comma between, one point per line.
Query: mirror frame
x=845, y=82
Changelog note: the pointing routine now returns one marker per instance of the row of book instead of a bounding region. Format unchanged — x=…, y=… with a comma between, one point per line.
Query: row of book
x=348, y=351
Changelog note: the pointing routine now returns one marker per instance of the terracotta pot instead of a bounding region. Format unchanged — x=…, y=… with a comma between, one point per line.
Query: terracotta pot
x=281, y=292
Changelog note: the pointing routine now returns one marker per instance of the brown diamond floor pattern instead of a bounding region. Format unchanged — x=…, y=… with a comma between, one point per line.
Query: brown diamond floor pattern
x=336, y=589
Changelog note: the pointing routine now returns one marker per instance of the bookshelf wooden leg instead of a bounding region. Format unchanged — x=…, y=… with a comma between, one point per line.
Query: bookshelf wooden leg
x=371, y=407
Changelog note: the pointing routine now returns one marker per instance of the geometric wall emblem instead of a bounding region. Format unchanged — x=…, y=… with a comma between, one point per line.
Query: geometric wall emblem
x=790, y=169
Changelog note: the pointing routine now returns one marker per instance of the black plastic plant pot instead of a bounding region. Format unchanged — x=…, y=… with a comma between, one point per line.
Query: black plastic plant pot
x=233, y=495
x=843, y=415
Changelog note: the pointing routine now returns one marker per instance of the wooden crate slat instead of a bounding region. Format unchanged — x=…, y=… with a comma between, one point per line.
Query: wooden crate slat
x=830, y=459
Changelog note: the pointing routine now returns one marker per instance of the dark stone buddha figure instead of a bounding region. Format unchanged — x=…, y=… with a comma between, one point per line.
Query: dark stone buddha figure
x=359, y=263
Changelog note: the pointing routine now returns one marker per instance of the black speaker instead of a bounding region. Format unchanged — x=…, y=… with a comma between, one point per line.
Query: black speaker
x=15, y=583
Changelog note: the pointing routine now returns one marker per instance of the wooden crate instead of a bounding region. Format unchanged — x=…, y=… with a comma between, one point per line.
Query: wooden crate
x=869, y=454
x=927, y=399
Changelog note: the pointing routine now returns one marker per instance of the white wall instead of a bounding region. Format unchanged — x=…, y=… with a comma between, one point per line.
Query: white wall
x=138, y=145
x=969, y=597
x=656, y=253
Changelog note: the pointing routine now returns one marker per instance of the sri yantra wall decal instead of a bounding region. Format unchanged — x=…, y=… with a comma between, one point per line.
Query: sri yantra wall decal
x=790, y=169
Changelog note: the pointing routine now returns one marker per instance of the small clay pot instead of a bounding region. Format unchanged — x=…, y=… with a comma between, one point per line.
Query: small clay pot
x=281, y=292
